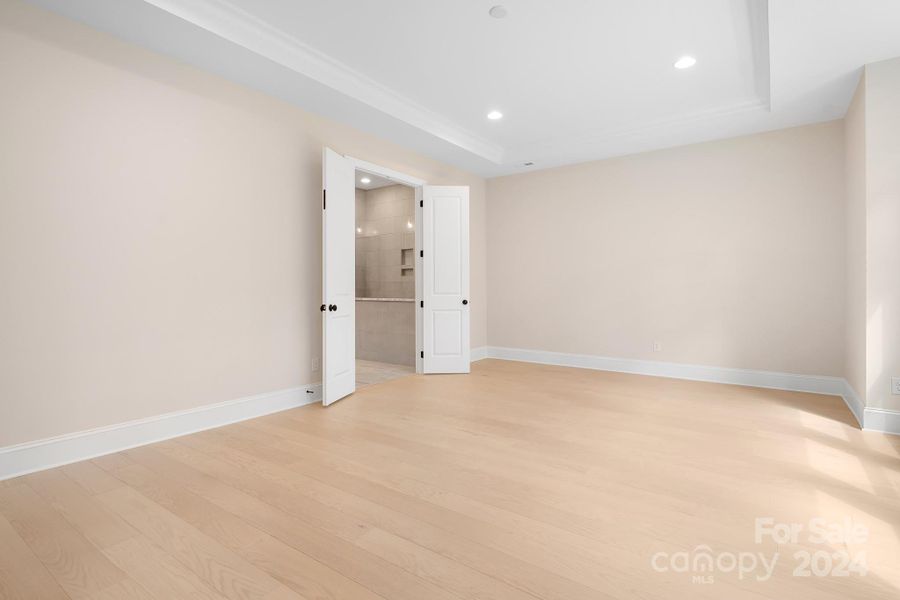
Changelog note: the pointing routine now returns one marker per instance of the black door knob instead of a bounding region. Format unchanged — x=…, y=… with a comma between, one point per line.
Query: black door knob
x=322, y=308
x=465, y=301
x=332, y=307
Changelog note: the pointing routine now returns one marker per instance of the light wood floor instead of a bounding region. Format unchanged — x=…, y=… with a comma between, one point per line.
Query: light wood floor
x=516, y=482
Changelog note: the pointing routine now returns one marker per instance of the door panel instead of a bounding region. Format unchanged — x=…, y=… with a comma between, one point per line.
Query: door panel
x=447, y=324
x=338, y=277
x=447, y=262
x=445, y=274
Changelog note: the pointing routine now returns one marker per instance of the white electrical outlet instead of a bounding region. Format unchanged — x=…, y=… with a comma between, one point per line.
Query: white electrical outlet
x=657, y=346
x=895, y=385
x=315, y=364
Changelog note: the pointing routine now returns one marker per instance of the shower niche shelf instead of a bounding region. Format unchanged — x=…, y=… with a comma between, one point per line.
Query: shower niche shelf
x=407, y=262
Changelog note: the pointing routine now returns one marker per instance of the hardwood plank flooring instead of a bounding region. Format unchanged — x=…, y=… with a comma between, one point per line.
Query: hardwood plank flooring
x=517, y=482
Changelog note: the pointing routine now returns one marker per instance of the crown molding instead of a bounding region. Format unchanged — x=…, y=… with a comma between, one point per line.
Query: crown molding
x=598, y=139
x=231, y=23
x=394, y=116
x=759, y=12
x=239, y=27
x=760, y=42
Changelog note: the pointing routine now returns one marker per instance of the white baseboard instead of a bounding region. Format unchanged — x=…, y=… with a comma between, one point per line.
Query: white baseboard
x=868, y=418
x=854, y=404
x=883, y=420
x=53, y=452
x=818, y=384
x=27, y=458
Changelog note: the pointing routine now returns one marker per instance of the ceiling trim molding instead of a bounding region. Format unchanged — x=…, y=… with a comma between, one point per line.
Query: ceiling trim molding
x=241, y=28
x=395, y=176
x=770, y=33
x=231, y=23
x=760, y=41
x=759, y=12
x=550, y=147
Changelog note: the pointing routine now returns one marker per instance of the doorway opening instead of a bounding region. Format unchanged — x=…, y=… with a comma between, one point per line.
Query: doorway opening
x=385, y=279
x=438, y=273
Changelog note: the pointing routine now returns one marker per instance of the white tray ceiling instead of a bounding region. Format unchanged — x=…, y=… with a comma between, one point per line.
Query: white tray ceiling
x=576, y=79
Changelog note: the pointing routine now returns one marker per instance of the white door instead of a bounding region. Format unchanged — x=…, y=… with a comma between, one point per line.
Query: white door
x=338, y=277
x=445, y=274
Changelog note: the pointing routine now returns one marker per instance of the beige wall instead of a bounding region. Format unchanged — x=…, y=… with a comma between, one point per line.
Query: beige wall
x=160, y=240
x=160, y=231
x=882, y=157
x=385, y=236
x=855, y=215
x=730, y=253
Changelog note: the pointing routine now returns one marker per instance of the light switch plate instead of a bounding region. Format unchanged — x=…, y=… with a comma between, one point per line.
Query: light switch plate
x=895, y=385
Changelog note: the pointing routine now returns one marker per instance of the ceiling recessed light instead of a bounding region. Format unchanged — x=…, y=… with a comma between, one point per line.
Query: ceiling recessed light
x=365, y=180
x=494, y=115
x=498, y=12
x=685, y=62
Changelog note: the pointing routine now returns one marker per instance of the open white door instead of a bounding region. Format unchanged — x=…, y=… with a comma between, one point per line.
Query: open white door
x=338, y=277
x=445, y=275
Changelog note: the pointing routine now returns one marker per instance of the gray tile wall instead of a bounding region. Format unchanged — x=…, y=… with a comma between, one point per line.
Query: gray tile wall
x=386, y=332
x=385, y=227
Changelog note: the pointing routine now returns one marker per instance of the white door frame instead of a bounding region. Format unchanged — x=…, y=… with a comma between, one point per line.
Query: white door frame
x=386, y=173
x=416, y=184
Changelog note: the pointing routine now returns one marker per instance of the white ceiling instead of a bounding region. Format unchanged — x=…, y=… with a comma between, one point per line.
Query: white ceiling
x=576, y=79
x=375, y=181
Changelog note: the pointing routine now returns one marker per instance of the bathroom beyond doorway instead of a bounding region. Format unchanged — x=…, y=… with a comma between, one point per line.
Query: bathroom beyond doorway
x=385, y=279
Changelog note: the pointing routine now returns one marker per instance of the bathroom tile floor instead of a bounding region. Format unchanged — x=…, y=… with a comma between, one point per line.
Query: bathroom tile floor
x=370, y=371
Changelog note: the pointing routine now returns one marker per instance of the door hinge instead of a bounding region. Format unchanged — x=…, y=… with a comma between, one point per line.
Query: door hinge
x=323, y=199
x=421, y=354
x=421, y=254
x=421, y=304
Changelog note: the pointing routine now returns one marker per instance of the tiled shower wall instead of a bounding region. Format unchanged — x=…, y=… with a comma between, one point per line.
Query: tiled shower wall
x=386, y=331
x=385, y=238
